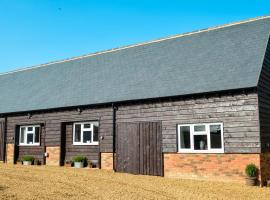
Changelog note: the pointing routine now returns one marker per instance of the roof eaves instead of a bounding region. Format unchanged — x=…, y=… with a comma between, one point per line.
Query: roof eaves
x=139, y=44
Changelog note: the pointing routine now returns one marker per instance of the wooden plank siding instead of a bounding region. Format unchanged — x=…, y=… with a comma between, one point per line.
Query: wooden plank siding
x=52, y=121
x=238, y=112
x=138, y=148
x=264, y=101
x=36, y=151
x=2, y=140
x=91, y=152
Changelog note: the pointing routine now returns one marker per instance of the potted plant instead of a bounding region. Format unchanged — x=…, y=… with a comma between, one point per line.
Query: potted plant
x=19, y=162
x=251, y=172
x=27, y=160
x=37, y=162
x=79, y=161
x=90, y=163
x=68, y=163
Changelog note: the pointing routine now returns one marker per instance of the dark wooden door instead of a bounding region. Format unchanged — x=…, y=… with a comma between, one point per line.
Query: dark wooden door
x=138, y=148
x=2, y=141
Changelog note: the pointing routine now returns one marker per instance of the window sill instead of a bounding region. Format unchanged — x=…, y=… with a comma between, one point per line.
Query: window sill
x=201, y=152
x=93, y=144
x=29, y=145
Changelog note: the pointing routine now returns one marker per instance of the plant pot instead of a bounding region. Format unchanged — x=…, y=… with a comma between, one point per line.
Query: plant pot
x=251, y=181
x=37, y=162
x=78, y=164
x=19, y=162
x=68, y=165
x=27, y=162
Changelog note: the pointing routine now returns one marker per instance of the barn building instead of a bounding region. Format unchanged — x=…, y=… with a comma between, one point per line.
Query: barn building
x=195, y=105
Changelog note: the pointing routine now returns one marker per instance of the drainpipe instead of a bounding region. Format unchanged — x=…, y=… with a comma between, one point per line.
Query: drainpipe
x=115, y=108
x=5, y=139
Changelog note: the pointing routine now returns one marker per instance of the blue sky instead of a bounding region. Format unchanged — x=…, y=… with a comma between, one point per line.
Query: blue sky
x=34, y=32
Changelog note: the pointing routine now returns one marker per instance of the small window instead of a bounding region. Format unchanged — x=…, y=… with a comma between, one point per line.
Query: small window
x=85, y=133
x=30, y=135
x=200, y=142
x=215, y=136
x=185, y=137
x=201, y=138
x=199, y=128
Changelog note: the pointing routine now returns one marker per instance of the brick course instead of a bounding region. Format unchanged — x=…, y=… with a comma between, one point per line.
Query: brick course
x=107, y=161
x=10, y=153
x=223, y=167
x=54, y=156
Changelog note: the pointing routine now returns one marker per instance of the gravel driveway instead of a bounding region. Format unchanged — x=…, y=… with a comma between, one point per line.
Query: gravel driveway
x=43, y=182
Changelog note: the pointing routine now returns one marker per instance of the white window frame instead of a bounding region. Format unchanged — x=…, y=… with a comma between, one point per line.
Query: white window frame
x=85, y=129
x=29, y=132
x=206, y=132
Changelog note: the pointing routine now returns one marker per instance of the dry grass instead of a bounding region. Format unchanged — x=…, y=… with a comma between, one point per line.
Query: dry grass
x=33, y=182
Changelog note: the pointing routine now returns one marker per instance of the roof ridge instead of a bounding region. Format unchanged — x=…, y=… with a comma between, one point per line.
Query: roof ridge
x=139, y=44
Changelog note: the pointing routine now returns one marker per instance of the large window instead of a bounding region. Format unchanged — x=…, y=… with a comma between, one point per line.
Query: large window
x=30, y=135
x=201, y=138
x=85, y=133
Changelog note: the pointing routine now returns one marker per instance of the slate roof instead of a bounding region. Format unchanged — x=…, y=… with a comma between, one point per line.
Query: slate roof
x=216, y=59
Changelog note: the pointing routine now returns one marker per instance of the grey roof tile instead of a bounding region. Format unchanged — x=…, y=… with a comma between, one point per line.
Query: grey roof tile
x=224, y=58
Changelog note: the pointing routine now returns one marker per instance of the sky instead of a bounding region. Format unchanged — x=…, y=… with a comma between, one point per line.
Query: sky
x=34, y=32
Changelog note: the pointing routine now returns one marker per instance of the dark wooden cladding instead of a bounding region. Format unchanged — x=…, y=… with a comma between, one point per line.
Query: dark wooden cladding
x=91, y=152
x=127, y=148
x=63, y=144
x=53, y=121
x=138, y=148
x=150, y=149
x=264, y=101
x=238, y=112
x=36, y=151
x=2, y=140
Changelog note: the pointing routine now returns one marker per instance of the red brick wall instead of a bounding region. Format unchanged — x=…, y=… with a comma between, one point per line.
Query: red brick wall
x=107, y=161
x=223, y=167
x=53, y=156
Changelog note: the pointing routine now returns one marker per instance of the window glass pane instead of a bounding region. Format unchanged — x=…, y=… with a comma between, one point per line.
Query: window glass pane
x=30, y=138
x=199, y=128
x=87, y=136
x=185, y=137
x=200, y=142
x=77, y=134
x=87, y=126
x=215, y=136
x=22, y=135
x=30, y=128
x=36, y=134
x=95, y=136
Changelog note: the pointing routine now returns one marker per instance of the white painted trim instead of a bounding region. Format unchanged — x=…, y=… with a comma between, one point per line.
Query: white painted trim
x=81, y=143
x=139, y=44
x=31, y=145
x=84, y=144
x=29, y=132
x=192, y=133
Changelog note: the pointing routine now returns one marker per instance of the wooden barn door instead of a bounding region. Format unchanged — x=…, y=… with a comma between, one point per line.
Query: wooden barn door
x=138, y=148
x=2, y=141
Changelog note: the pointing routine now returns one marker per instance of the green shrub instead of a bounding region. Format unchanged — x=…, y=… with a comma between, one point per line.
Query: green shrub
x=28, y=158
x=251, y=170
x=79, y=159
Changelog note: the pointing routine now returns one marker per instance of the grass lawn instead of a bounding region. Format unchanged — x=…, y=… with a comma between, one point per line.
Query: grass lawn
x=43, y=182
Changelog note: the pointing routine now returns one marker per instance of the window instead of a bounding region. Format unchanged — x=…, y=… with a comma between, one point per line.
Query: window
x=30, y=135
x=85, y=133
x=200, y=138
